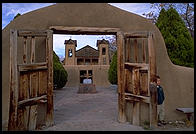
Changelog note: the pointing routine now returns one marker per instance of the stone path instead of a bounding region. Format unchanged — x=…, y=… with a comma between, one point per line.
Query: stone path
x=92, y=112
x=87, y=112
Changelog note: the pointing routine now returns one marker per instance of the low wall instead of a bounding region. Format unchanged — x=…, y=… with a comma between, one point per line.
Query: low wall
x=100, y=74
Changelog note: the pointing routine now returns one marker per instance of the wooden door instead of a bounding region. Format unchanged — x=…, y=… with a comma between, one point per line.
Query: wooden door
x=31, y=82
x=136, y=68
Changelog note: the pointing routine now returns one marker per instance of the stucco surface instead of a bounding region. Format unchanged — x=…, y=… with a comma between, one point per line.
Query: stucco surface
x=177, y=82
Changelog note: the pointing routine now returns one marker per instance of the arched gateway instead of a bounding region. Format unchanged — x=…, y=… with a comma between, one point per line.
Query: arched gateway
x=141, y=54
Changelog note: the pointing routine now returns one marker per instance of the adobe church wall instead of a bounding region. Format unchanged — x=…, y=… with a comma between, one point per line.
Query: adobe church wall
x=100, y=74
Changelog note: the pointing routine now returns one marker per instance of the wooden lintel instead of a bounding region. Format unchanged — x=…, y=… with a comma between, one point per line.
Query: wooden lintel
x=142, y=66
x=138, y=34
x=32, y=101
x=84, y=30
x=30, y=67
x=30, y=33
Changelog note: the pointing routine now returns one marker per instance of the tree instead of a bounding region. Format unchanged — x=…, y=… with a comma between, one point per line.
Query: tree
x=59, y=73
x=177, y=38
x=112, y=72
x=186, y=11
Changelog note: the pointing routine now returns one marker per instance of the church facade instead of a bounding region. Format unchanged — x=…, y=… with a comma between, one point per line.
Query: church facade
x=87, y=63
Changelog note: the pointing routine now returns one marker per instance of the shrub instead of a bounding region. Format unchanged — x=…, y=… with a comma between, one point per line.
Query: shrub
x=59, y=73
x=178, y=40
x=112, y=72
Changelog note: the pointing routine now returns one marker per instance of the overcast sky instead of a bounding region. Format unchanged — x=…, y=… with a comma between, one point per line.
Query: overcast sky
x=9, y=10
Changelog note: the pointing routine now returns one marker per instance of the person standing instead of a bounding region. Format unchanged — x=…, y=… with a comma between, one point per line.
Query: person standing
x=160, y=103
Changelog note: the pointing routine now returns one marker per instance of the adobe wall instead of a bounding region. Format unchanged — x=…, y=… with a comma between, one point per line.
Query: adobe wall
x=100, y=74
x=177, y=81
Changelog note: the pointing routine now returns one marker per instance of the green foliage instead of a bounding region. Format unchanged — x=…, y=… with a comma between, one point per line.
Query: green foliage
x=178, y=41
x=59, y=73
x=112, y=72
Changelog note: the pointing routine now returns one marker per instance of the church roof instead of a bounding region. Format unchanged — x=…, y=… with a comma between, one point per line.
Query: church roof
x=87, y=51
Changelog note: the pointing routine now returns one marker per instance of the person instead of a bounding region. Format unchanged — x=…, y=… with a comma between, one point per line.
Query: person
x=160, y=102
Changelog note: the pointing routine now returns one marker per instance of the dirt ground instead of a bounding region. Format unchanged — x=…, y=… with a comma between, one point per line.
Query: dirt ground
x=93, y=112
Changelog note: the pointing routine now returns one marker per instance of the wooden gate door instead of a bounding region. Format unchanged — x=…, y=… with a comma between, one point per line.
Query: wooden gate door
x=136, y=68
x=31, y=83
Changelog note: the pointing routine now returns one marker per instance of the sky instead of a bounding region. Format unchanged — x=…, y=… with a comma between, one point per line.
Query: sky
x=9, y=10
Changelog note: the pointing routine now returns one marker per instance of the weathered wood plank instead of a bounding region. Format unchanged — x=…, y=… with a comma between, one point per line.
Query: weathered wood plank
x=32, y=101
x=33, y=94
x=32, y=67
x=143, y=51
x=32, y=49
x=153, y=105
x=136, y=113
x=145, y=99
x=120, y=71
x=129, y=82
x=25, y=50
x=135, y=50
x=86, y=30
x=144, y=83
x=13, y=82
x=30, y=33
x=135, y=78
x=23, y=113
x=42, y=83
x=142, y=66
x=129, y=49
x=49, y=113
x=136, y=35
x=152, y=59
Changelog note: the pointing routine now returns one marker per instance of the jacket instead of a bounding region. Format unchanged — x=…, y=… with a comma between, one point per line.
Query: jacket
x=160, y=95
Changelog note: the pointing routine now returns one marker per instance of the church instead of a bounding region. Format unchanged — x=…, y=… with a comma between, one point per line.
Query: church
x=87, y=63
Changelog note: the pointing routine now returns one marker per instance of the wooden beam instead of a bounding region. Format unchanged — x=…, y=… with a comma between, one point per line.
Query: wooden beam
x=141, y=34
x=136, y=65
x=13, y=83
x=50, y=109
x=31, y=67
x=120, y=71
x=84, y=30
x=138, y=96
x=32, y=101
x=30, y=33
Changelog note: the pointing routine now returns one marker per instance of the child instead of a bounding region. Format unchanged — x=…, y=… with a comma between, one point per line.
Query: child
x=161, y=98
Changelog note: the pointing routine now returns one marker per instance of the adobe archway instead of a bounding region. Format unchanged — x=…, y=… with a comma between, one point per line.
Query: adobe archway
x=177, y=81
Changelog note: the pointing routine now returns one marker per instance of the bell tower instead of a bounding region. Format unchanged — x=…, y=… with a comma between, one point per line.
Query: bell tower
x=70, y=50
x=103, y=47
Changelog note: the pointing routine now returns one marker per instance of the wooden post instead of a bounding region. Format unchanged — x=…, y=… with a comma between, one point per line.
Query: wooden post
x=49, y=113
x=152, y=60
x=120, y=71
x=13, y=85
x=152, y=87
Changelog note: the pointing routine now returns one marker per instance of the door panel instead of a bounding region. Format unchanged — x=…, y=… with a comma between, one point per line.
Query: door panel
x=136, y=67
x=31, y=82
